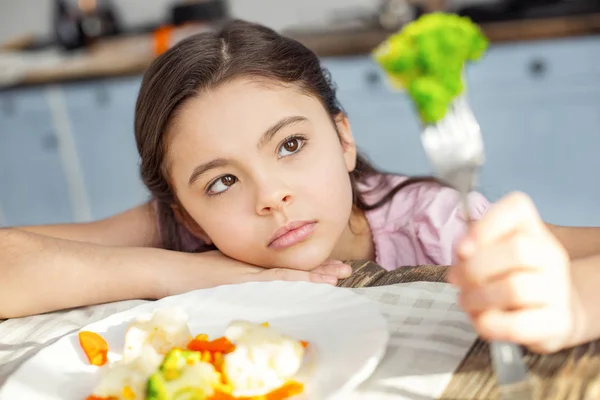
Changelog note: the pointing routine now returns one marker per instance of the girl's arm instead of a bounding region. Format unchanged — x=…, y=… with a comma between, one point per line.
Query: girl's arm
x=579, y=242
x=50, y=267
x=136, y=227
x=41, y=274
x=47, y=268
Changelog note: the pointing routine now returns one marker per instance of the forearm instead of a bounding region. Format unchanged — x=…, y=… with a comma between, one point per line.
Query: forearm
x=136, y=227
x=41, y=274
x=579, y=242
x=586, y=282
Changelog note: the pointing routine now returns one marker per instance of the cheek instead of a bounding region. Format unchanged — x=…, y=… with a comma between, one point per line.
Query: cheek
x=327, y=180
x=235, y=234
x=222, y=219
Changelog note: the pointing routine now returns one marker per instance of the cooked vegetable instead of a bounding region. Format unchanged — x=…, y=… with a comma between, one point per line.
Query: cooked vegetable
x=220, y=345
x=94, y=346
x=264, y=359
x=427, y=58
x=183, y=376
x=161, y=361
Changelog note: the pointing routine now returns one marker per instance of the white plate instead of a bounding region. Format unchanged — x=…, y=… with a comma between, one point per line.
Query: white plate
x=348, y=333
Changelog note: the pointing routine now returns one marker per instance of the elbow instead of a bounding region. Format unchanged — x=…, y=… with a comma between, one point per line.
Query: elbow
x=7, y=313
x=15, y=303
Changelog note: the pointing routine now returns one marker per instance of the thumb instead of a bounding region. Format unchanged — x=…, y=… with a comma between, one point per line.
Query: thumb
x=334, y=268
x=513, y=213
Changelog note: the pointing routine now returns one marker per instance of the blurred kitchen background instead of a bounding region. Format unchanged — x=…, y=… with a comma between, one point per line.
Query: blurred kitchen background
x=70, y=73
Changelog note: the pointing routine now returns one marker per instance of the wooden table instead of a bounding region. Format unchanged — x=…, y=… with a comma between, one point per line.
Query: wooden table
x=569, y=374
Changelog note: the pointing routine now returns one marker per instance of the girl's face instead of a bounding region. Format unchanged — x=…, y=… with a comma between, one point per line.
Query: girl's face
x=262, y=172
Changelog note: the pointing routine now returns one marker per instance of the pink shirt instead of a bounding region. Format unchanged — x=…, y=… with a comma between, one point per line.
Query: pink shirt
x=421, y=224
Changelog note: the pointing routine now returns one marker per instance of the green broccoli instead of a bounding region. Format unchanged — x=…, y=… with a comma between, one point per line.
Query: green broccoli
x=183, y=376
x=427, y=58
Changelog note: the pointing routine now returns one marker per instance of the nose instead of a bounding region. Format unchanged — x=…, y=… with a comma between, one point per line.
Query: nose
x=273, y=197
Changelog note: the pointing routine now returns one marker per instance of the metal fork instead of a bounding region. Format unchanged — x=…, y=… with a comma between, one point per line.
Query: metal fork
x=455, y=149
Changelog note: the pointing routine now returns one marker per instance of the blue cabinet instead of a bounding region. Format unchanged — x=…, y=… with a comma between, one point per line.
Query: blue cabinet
x=546, y=145
x=33, y=186
x=101, y=114
x=88, y=170
x=539, y=107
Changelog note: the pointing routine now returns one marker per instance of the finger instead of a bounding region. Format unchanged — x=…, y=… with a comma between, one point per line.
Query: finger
x=513, y=291
x=537, y=327
x=339, y=270
x=515, y=252
x=331, y=261
x=515, y=212
x=452, y=275
x=547, y=347
x=284, y=274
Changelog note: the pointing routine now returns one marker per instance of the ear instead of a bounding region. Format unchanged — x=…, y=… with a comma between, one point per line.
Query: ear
x=188, y=222
x=347, y=140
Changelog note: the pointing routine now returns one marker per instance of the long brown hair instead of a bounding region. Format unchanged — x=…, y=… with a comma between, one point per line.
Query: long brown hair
x=205, y=61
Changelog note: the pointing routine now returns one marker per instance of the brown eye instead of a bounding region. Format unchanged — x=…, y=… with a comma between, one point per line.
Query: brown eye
x=222, y=184
x=228, y=180
x=290, y=147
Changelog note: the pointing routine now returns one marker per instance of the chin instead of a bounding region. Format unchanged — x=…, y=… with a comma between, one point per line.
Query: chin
x=303, y=256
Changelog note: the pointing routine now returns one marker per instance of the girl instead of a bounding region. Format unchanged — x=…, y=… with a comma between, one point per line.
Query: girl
x=254, y=175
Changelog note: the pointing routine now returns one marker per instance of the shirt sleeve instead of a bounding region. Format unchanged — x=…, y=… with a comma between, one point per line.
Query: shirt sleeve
x=439, y=222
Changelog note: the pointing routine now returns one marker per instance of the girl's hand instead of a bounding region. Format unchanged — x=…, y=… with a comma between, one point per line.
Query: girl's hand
x=328, y=272
x=213, y=268
x=514, y=278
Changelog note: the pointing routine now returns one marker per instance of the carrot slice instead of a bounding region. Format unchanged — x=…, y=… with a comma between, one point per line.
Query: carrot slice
x=92, y=397
x=286, y=391
x=221, y=396
x=94, y=347
x=220, y=345
x=304, y=343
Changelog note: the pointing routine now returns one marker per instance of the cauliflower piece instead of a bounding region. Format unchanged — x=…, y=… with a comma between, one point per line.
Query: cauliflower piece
x=262, y=361
x=163, y=330
x=127, y=379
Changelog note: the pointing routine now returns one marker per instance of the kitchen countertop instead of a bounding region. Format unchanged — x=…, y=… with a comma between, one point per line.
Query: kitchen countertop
x=362, y=42
x=132, y=55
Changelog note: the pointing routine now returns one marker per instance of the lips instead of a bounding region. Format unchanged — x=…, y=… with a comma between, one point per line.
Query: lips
x=291, y=234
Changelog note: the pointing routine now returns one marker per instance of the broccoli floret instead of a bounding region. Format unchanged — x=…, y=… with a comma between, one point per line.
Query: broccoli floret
x=427, y=58
x=183, y=376
x=156, y=389
x=176, y=360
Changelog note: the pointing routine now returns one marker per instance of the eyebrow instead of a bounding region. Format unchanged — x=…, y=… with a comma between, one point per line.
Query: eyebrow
x=264, y=139
x=272, y=131
x=203, y=168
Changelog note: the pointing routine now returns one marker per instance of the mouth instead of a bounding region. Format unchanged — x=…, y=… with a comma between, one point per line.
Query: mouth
x=291, y=234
